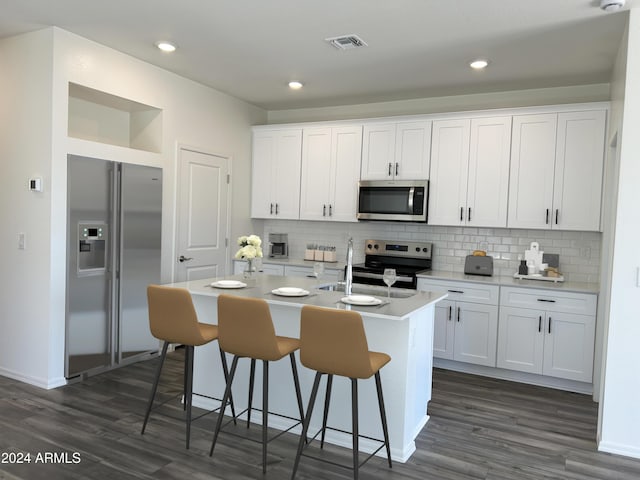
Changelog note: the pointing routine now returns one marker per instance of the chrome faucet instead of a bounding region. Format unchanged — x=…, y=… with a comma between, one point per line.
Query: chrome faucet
x=348, y=278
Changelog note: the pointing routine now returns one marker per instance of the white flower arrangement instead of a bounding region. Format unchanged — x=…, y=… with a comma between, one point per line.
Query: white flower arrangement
x=250, y=247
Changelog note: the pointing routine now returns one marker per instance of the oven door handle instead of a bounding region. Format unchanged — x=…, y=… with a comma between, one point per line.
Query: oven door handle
x=378, y=276
x=411, y=195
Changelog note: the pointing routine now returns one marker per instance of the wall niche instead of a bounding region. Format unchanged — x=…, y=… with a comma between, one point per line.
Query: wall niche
x=101, y=117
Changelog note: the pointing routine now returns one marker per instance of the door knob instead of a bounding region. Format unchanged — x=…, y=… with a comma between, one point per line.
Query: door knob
x=184, y=259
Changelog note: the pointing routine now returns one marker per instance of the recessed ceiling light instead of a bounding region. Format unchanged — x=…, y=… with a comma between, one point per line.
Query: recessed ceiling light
x=611, y=5
x=478, y=64
x=295, y=85
x=166, y=46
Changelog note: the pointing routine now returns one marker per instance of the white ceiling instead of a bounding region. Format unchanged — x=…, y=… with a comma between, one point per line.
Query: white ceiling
x=251, y=49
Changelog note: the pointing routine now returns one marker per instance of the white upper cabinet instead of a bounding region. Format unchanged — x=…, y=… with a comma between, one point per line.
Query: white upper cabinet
x=556, y=170
x=469, y=180
x=330, y=172
x=577, y=191
x=449, y=169
x=396, y=151
x=276, y=173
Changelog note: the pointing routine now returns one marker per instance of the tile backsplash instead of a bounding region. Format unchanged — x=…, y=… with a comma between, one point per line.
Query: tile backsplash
x=579, y=251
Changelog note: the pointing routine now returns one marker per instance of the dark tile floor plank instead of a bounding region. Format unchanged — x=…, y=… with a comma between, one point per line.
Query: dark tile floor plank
x=480, y=429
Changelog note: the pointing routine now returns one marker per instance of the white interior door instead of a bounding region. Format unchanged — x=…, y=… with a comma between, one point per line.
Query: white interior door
x=203, y=202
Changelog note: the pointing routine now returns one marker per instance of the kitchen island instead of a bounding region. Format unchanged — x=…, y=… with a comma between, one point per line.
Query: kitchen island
x=402, y=328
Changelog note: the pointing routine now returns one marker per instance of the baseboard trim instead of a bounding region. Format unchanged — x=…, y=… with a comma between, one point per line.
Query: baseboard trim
x=39, y=382
x=619, y=449
x=512, y=375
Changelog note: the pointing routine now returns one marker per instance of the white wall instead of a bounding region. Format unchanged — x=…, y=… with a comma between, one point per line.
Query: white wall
x=35, y=93
x=25, y=151
x=620, y=431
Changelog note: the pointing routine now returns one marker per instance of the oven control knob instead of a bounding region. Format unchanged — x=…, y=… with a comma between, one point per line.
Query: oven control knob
x=375, y=246
x=425, y=249
x=417, y=249
x=369, y=246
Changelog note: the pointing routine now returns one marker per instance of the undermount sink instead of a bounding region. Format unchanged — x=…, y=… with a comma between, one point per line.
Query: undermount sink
x=370, y=290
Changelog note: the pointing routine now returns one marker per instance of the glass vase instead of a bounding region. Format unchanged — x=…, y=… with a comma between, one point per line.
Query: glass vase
x=250, y=269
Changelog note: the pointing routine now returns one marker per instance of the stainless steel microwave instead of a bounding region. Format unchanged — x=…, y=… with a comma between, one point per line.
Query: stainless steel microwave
x=399, y=201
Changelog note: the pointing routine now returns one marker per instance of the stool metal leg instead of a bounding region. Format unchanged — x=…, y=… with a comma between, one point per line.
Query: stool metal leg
x=189, y=388
x=383, y=416
x=327, y=399
x=265, y=412
x=185, y=376
x=225, y=399
x=305, y=424
x=354, y=423
x=225, y=370
x=155, y=386
x=252, y=376
x=296, y=382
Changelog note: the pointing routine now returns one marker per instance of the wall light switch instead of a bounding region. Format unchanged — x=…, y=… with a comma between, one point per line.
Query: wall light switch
x=21, y=241
x=35, y=184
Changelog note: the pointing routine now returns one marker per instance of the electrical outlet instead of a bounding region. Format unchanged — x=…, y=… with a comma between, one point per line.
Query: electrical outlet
x=21, y=241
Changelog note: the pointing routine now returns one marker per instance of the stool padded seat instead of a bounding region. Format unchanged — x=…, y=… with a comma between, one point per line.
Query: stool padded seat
x=247, y=330
x=334, y=342
x=173, y=318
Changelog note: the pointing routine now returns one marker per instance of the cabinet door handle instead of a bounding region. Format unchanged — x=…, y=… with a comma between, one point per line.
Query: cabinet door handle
x=546, y=300
x=458, y=313
x=330, y=210
x=271, y=209
x=461, y=213
x=546, y=221
x=396, y=168
x=324, y=210
x=469, y=213
x=549, y=324
x=556, y=216
x=276, y=208
x=455, y=291
x=390, y=168
x=539, y=323
x=450, y=311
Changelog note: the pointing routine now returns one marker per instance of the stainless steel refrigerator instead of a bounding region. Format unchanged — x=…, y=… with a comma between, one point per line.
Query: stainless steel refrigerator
x=114, y=233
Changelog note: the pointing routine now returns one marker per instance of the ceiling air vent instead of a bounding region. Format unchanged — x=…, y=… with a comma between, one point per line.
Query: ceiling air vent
x=346, y=42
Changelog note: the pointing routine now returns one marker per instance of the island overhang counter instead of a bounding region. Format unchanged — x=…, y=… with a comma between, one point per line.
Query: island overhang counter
x=402, y=328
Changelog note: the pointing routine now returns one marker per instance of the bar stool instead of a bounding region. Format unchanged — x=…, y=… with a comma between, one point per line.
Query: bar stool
x=246, y=331
x=333, y=342
x=173, y=319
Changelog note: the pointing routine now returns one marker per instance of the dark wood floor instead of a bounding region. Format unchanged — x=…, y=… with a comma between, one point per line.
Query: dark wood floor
x=479, y=429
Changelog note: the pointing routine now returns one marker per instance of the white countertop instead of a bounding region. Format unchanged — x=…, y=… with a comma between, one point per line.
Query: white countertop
x=505, y=281
x=262, y=285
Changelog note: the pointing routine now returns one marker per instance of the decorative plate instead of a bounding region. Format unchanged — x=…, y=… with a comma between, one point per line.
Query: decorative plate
x=228, y=284
x=364, y=300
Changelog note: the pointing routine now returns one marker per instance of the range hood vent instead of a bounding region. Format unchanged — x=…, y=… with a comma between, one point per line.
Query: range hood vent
x=346, y=42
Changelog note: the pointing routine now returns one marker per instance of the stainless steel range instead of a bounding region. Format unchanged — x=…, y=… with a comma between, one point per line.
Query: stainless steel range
x=407, y=258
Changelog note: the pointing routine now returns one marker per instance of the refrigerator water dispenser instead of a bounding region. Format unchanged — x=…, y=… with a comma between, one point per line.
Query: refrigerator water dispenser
x=92, y=248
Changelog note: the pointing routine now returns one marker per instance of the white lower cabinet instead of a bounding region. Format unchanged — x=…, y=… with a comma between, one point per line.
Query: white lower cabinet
x=268, y=268
x=547, y=333
x=329, y=275
x=465, y=331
